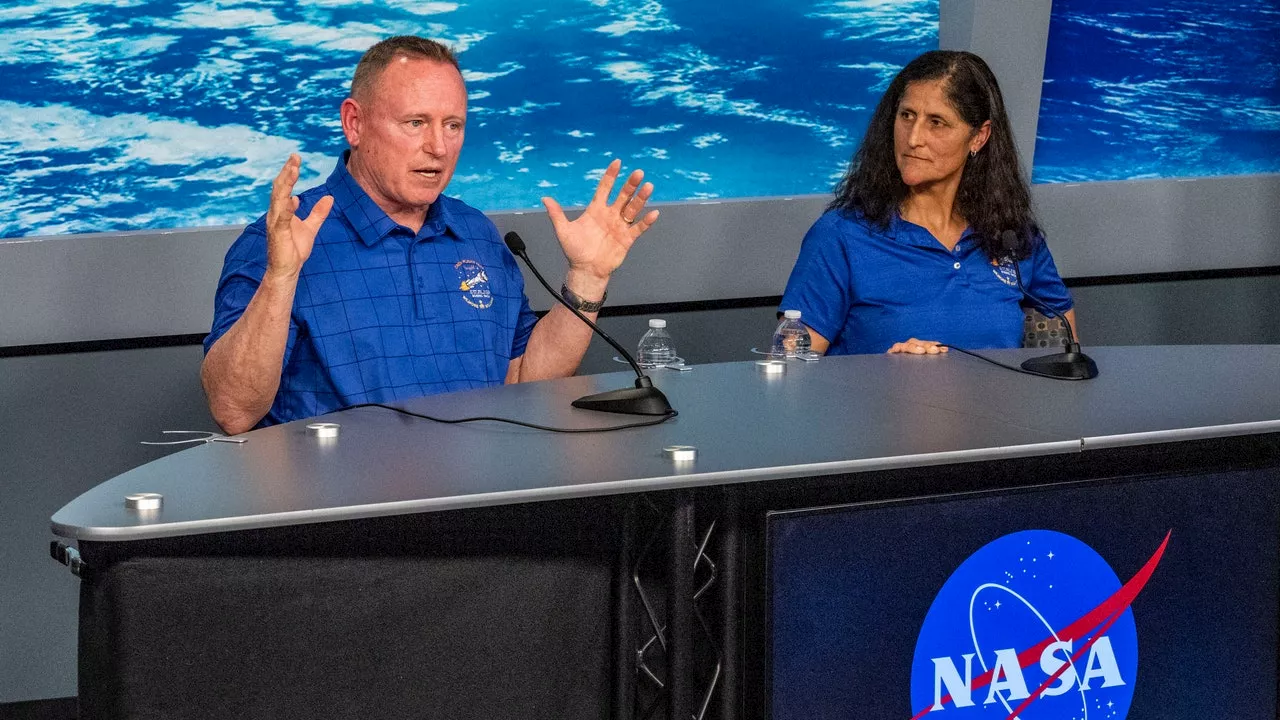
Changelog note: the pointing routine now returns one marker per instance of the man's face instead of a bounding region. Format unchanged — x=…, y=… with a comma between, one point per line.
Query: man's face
x=405, y=132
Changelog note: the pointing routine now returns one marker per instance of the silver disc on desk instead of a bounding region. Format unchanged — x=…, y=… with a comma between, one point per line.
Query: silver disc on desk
x=144, y=501
x=324, y=430
x=681, y=453
x=771, y=367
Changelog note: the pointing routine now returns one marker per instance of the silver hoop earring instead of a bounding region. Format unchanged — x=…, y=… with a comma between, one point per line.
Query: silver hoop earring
x=973, y=154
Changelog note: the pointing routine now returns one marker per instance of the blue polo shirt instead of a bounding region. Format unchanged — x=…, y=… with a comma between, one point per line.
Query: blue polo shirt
x=382, y=314
x=865, y=289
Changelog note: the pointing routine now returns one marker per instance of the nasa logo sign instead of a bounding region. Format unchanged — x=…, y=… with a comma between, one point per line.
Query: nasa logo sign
x=1034, y=625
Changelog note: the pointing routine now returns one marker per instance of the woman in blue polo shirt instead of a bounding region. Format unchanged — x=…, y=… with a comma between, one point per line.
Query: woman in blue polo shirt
x=909, y=255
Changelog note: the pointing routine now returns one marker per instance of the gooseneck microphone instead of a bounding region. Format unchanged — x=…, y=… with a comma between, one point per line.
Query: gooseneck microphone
x=643, y=399
x=1072, y=364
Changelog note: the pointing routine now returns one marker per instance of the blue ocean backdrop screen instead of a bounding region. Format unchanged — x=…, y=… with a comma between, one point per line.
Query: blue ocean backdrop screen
x=124, y=115
x=1160, y=89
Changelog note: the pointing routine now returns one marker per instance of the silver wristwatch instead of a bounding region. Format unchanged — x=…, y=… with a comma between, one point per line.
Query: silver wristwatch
x=577, y=303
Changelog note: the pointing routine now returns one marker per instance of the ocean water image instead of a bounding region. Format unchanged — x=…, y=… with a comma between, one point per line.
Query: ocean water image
x=124, y=115
x=1160, y=89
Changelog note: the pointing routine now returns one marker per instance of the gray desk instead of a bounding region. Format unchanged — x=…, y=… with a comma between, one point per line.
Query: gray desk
x=838, y=415
x=839, y=419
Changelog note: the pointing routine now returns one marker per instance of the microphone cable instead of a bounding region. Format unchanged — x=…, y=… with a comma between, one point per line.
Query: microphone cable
x=457, y=421
x=1079, y=365
x=1006, y=366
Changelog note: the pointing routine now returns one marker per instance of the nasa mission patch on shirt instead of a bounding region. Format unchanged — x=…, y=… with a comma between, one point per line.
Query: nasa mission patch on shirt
x=1005, y=272
x=473, y=282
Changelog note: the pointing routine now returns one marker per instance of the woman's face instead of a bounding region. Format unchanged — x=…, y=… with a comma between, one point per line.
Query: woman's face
x=930, y=141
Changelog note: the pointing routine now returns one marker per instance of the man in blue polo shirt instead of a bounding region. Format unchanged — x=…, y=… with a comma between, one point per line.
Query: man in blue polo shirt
x=376, y=287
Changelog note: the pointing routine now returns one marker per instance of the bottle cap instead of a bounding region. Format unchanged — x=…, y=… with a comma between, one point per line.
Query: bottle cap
x=791, y=314
x=657, y=323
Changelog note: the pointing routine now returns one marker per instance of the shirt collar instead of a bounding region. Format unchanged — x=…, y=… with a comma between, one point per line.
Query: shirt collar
x=909, y=233
x=371, y=222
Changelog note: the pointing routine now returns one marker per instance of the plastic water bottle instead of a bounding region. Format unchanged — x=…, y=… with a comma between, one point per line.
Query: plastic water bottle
x=655, y=348
x=791, y=339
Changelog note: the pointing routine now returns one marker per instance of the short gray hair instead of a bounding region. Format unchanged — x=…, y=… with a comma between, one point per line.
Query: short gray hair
x=378, y=57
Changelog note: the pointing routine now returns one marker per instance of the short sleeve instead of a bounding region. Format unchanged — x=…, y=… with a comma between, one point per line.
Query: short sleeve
x=525, y=318
x=524, y=327
x=1043, y=282
x=820, y=286
x=242, y=272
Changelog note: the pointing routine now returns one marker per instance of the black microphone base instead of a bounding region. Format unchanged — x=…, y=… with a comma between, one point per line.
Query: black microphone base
x=1073, y=365
x=628, y=401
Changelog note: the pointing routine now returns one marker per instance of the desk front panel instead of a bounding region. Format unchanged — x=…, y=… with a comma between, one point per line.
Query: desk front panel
x=1147, y=597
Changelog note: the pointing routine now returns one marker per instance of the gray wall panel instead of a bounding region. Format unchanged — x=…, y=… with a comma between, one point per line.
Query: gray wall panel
x=696, y=251
x=709, y=336
x=1011, y=35
x=125, y=285
x=955, y=24
x=103, y=287
x=1150, y=226
x=68, y=423
x=1223, y=311
x=109, y=285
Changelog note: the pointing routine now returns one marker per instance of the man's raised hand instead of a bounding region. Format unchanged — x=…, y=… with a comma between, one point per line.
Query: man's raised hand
x=290, y=239
x=597, y=241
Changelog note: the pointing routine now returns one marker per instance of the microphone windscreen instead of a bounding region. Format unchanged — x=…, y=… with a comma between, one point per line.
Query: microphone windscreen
x=1009, y=240
x=514, y=243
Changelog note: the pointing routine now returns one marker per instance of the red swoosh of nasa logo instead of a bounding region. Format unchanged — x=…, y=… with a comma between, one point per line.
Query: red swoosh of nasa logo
x=1097, y=621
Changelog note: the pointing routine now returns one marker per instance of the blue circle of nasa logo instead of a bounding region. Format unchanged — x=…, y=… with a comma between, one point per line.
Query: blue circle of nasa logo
x=1004, y=272
x=473, y=281
x=1034, y=625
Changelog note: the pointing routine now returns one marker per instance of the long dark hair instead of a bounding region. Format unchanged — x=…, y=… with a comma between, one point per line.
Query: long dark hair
x=993, y=196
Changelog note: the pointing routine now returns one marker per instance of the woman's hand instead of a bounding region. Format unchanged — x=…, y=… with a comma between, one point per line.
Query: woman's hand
x=919, y=347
